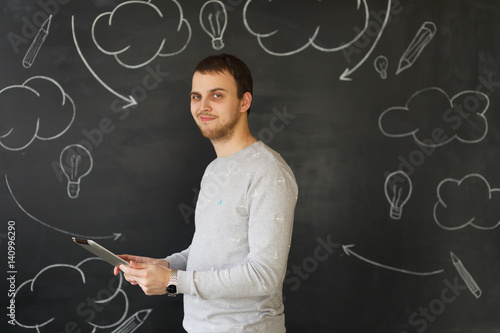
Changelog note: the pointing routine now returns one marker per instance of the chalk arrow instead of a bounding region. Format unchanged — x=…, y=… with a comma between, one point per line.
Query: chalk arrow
x=348, y=251
x=348, y=71
x=130, y=100
x=115, y=235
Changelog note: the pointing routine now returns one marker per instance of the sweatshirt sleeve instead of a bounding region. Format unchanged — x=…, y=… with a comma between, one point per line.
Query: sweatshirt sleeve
x=178, y=260
x=271, y=199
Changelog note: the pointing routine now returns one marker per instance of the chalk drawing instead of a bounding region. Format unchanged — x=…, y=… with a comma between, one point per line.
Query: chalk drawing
x=345, y=76
x=213, y=20
x=398, y=188
x=433, y=119
x=348, y=251
x=465, y=275
x=417, y=45
x=76, y=162
x=114, y=236
x=469, y=201
x=126, y=13
x=381, y=63
x=133, y=322
x=37, y=43
x=29, y=111
x=130, y=100
x=110, y=296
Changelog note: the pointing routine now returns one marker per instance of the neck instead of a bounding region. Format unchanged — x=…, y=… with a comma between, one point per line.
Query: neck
x=240, y=139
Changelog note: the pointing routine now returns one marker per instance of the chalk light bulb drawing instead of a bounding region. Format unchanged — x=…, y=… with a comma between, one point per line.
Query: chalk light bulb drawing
x=398, y=188
x=380, y=65
x=76, y=163
x=213, y=20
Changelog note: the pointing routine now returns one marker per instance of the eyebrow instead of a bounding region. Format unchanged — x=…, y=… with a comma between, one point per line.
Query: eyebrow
x=211, y=90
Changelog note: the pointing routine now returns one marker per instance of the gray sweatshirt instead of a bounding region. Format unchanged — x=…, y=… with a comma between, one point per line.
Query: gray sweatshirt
x=232, y=273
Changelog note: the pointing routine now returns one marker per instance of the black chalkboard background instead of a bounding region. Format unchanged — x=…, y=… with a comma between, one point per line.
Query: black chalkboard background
x=353, y=137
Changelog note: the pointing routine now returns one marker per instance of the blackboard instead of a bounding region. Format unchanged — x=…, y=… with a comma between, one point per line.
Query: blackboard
x=387, y=112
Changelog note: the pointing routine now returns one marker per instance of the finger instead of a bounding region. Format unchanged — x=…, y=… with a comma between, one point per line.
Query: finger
x=128, y=270
x=127, y=257
x=138, y=265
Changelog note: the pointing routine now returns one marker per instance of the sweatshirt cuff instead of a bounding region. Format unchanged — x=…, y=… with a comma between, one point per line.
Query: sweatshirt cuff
x=184, y=279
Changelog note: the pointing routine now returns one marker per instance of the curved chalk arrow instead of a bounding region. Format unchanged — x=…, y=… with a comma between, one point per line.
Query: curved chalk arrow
x=115, y=235
x=345, y=75
x=354, y=40
x=348, y=251
x=130, y=100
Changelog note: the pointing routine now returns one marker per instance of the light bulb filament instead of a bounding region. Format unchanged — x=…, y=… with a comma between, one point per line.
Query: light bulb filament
x=75, y=160
x=217, y=32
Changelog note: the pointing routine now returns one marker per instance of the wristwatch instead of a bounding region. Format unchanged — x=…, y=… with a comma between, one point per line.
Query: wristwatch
x=172, y=284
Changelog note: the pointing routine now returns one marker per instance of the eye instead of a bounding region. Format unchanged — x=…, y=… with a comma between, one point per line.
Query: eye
x=217, y=95
x=195, y=97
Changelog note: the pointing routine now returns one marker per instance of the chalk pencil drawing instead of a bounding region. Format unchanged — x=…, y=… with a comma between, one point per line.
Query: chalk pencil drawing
x=123, y=32
x=381, y=63
x=469, y=201
x=37, y=43
x=347, y=249
x=37, y=109
x=433, y=119
x=466, y=276
x=113, y=236
x=213, y=20
x=318, y=31
x=76, y=162
x=133, y=322
x=92, y=303
x=423, y=37
x=398, y=188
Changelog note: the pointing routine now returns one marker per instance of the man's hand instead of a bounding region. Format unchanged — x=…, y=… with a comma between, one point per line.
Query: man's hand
x=150, y=274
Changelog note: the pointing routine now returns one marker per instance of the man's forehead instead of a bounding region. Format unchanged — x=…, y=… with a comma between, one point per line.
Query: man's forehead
x=211, y=80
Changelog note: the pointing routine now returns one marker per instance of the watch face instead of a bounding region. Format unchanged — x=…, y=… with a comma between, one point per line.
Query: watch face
x=172, y=289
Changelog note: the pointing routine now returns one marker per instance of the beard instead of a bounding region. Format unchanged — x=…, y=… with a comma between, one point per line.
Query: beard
x=221, y=132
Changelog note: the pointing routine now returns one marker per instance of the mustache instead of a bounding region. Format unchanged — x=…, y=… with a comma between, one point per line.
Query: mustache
x=199, y=114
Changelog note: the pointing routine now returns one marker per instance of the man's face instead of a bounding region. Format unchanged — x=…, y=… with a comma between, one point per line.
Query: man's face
x=215, y=105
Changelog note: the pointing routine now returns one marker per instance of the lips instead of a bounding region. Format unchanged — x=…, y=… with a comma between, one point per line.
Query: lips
x=206, y=118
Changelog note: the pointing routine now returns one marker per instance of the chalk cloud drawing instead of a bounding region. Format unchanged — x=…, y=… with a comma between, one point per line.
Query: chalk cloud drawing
x=37, y=109
x=288, y=26
x=277, y=30
x=137, y=32
x=469, y=201
x=381, y=63
x=213, y=20
x=433, y=119
x=37, y=43
x=76, y=162
x=93, y=298
x=398, y=188
x=423, y=37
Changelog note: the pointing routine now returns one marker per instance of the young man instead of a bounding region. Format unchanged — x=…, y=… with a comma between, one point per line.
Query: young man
x=232, y=273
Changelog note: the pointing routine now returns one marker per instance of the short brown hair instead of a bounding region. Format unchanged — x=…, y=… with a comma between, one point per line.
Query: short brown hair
x=219, y=63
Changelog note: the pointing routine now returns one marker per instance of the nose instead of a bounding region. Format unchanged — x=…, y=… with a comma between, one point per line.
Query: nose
x=205, y=105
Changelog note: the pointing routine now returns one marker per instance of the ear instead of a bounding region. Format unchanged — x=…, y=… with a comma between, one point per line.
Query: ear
x=246, y=101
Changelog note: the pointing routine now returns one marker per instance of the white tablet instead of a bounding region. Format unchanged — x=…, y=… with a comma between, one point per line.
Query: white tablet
x=100, y=251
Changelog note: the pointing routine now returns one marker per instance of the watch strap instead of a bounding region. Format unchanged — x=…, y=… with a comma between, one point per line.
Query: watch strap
x=172, y=283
